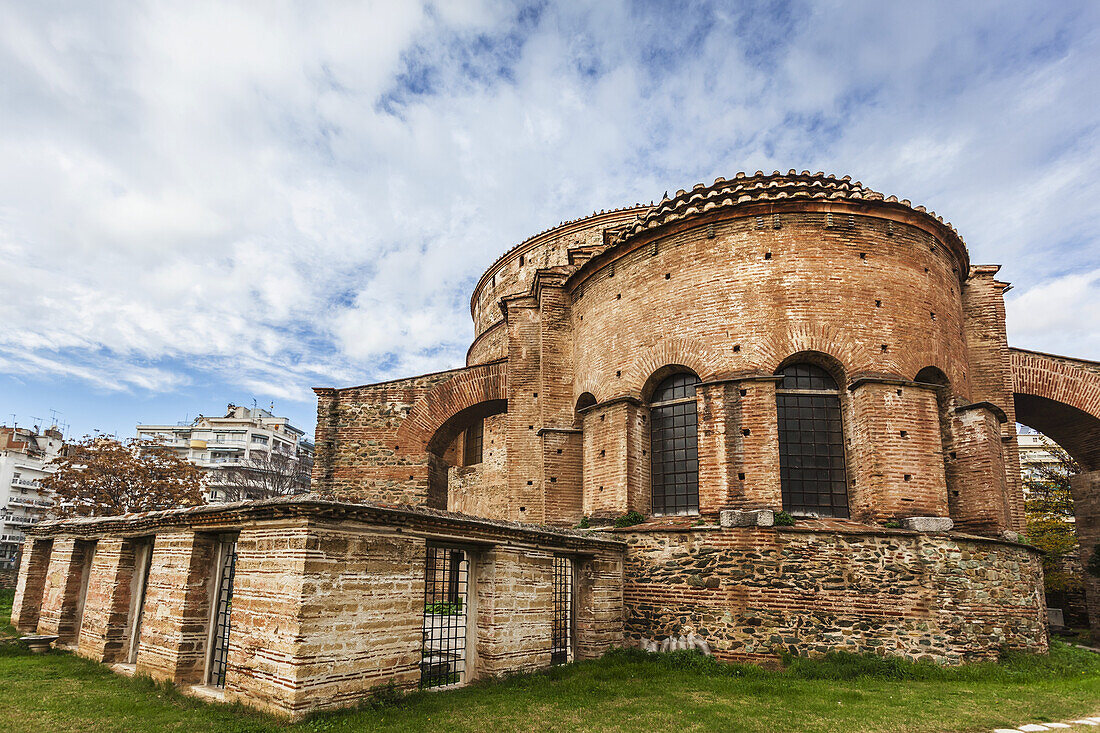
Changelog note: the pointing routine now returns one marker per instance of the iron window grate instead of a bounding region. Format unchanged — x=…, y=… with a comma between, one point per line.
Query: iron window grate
x=443, y=653
x=222, y=615
x=561, y=635
x=674, y=446
x=811, y=443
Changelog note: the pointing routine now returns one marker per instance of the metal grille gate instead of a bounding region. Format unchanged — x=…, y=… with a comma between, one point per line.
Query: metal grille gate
x=561, y=633
x=222, y=612
x=443, y=654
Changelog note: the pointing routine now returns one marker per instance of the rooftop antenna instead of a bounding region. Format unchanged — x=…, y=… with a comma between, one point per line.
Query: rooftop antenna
x=37, y=424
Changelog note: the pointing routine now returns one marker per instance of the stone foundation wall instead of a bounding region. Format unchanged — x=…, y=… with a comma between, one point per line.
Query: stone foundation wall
x=754, y=592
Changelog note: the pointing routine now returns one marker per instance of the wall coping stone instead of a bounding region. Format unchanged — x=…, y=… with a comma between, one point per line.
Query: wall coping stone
x=456, y=370
x=630, y=399
x=997, y=411
x=823, y=527
x=312, y=506
x=928, y=524
x=892, y=381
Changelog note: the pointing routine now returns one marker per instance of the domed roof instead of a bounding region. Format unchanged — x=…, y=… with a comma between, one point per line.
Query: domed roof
x=778, y=187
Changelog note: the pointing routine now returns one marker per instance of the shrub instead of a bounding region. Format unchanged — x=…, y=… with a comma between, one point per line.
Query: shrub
x=584, y=523
x=629, y=519
x=892, y=524
x=783, y=519
x=443, y=608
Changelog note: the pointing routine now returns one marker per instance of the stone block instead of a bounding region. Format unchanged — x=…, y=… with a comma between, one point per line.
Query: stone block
x=928, y=524
x=746, y=518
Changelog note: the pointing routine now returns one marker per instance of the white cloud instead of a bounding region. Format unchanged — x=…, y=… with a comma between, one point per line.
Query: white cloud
x=307, y=194
x=1058, y=315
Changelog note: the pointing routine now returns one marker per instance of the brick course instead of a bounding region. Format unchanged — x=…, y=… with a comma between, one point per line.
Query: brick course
x=753, y=593
x=574, y=328
x=328, y=598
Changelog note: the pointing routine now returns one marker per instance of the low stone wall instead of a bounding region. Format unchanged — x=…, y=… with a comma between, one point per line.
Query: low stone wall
x=754, y=592
x=328, y=598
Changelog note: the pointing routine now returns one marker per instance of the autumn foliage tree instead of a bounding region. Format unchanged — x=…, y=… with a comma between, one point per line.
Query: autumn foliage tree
x=100, y=476
x=1048, y=506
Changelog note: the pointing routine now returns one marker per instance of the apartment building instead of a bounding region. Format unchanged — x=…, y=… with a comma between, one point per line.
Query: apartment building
x=1034, y=449
x=248, y=453
x=24, y=460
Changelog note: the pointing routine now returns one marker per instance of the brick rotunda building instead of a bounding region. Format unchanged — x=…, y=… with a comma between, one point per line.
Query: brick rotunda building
x=769, y=343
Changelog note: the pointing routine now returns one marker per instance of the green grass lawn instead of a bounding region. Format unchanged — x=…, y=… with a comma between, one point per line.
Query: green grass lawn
x=625, y=691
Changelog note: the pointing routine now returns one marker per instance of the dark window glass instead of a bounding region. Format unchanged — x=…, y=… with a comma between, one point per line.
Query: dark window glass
x=811, y=442
x=475, y=437
x=676, y=387
x=806, y=376
x=674, y=448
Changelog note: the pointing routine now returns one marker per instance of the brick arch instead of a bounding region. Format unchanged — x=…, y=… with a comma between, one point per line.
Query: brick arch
x=590, y=385
x=776, y=349
x=487, y=383
x=1060, y=397
x=687, y=352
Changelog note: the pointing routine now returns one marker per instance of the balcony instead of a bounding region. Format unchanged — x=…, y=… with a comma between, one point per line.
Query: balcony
x=17, y=538
x=25, y=483
x=226, y=460
x=20, y=521
x=25, y=501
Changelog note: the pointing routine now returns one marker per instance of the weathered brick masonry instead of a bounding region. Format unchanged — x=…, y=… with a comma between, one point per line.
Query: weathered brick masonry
x=328, y=599
x=731, y=284
x=753, y=593
x=772, y=342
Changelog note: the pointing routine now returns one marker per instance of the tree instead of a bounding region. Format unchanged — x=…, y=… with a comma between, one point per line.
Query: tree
x=1048, y=507
x=264, y=475
x=101, y=476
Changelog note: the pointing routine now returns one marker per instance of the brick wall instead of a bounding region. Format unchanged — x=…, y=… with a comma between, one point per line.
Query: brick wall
x=1086, y=506
x=33, y=568
x=104, y=626
x=897, y=453
x=328, y=599
x=514, y=272
x=62, y=596
x=752, y=592
x=480, y=489
x=358, y=452
x=178, y=597
x=978, y=498
x=991, y=376
x=705, y=296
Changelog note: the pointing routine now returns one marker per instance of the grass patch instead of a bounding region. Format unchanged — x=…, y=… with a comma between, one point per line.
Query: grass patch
x=7, y=597
x=627, y=690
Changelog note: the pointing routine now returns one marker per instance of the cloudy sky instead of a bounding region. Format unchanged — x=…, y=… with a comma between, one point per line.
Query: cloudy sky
x=204, y=203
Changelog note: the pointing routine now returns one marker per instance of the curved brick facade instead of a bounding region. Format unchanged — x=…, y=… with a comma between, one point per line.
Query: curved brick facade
x=589, y=340
x=732, y=281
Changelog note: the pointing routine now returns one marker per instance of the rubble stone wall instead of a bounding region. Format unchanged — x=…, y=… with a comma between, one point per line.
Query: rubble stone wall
x=752, y=593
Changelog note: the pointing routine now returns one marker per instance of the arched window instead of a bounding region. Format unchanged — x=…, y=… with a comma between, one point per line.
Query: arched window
x=811, y=442
x=474, y=443
x=674, y=446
